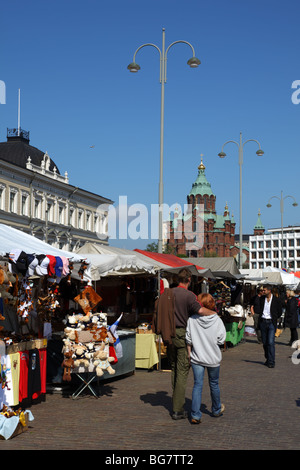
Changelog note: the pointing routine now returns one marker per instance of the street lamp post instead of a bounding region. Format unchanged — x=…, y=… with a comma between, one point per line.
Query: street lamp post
x=241, y=157
x=134, y=67
x=281, y=199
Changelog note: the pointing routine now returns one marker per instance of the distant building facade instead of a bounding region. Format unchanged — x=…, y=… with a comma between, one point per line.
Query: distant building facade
x=279, y=248
x=37, y=199
x=218, y=230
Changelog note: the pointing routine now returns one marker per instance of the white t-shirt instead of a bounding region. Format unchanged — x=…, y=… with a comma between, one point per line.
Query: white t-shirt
x=267, y=309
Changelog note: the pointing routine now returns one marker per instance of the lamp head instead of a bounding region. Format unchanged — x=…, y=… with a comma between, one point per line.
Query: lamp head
x=295, y=204
x=222, y=154
x=193, y=62
x=260, y=152
x=133, y=67
x=269, y=205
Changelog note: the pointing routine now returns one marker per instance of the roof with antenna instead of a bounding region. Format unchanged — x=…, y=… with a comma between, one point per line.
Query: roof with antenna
x=17, y=150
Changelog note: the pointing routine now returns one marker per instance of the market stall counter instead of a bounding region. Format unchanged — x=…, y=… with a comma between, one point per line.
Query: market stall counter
x=234, y=320
x=235, y=331
x=146, y=352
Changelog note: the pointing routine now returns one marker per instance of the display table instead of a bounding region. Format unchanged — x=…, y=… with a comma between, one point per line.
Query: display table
x=145, y=351
x=125, y=364
x=234, y=333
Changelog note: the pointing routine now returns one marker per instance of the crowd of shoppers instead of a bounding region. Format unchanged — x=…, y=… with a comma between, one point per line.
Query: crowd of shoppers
x=193, y=333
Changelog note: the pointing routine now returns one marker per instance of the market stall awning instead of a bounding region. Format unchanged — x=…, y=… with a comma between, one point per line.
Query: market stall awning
x=270, y=275
x=217, y=264
x=11, y=239
x=109, y=261
x=172, y=263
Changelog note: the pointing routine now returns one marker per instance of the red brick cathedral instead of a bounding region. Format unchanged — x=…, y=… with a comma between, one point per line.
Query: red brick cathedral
x=201, y=231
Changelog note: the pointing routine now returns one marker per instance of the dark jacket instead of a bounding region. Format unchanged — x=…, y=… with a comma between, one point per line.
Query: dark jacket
x=291, y=313
x=275, y=309
x=164, y=317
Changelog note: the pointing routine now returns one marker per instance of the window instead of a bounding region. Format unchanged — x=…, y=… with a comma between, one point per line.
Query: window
x=1, y=198
x=268, y=244
x=275, y=243
x=61, y=215
x=12, y=201
x=72, y=212
x=49, y=214
x=96, y=220
x=24, y=204
x=80, y=219
x=88, y=221
x=254, y=245
x=37, y=204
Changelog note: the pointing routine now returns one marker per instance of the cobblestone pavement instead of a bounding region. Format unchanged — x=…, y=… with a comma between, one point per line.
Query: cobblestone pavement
x=133, y=412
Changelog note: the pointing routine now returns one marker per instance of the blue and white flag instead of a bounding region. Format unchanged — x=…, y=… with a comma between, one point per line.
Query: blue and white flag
x=117, y=344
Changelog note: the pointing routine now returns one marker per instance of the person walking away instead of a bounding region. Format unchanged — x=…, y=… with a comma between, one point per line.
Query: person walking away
x=291, y=315
x=174, y=307
x=255, y=310
x=270, y=312
x=204, y=336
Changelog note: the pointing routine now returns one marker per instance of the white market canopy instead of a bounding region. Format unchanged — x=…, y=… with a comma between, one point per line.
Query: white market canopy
x=11, y=239
x=271, y=275
x=108, y=261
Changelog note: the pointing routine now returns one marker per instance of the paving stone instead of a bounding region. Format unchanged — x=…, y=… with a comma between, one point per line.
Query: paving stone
x=133, y=412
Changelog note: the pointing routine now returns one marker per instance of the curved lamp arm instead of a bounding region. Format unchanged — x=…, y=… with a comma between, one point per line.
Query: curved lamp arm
x=192, y=62
x=134, y=67
x=223, y=154
x=184, y=42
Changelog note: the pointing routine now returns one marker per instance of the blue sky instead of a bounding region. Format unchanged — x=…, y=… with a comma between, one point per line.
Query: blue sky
x=69, y=58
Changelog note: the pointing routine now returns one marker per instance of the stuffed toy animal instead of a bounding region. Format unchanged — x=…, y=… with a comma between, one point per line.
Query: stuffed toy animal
x=80, y=356
x=102, y=362
x=100, y=334
x=67, y=364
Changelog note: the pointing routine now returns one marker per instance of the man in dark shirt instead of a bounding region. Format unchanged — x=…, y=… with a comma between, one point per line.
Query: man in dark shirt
x=185, y=305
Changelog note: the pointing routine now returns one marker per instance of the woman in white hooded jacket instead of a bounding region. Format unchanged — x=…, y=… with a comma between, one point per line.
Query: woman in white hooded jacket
x=204, y=335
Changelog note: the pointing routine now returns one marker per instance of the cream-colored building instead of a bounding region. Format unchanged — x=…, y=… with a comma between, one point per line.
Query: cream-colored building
x=37, y=199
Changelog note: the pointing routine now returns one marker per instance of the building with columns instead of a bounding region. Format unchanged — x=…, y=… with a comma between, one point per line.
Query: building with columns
x=37, y=199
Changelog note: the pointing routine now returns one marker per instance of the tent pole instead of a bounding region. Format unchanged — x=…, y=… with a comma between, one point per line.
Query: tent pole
x=159, y=336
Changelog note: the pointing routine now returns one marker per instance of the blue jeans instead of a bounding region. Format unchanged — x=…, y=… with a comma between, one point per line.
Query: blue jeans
x=268, y=329
x=213, y=376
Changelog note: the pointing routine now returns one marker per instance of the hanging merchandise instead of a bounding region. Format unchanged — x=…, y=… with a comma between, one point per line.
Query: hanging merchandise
x=88, y=342
x=31, y=302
